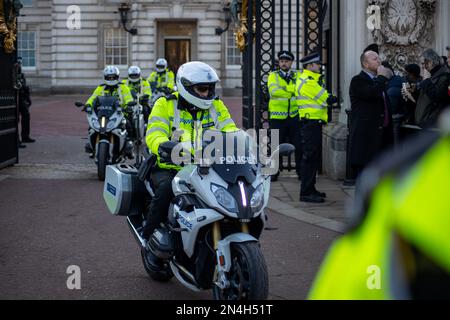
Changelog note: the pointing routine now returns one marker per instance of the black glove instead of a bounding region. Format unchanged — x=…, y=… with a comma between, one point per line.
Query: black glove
x=87, y=106
x=166, y=90
x=143, y=101
x=165, y=151
x=332, y=100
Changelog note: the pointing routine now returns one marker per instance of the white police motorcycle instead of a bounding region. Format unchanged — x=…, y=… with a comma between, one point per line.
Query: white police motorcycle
x=108, y=137
x=210, y=239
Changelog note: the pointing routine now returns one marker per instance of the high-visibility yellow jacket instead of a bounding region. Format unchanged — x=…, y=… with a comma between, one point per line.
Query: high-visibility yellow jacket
x=120, y=91
x=368, y=262
x=161, y=80
x=142, y=87
x=166, y=119
x=311, y=97
x=282, y=104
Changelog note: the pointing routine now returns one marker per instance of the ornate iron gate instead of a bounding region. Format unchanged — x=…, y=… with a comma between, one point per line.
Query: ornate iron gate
x=304, y=20
x=8, y=100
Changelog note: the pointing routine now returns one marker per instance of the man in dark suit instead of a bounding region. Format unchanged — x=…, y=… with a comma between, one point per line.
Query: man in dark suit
x=371, y=121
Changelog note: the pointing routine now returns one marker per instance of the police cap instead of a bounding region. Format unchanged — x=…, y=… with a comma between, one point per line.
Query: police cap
x=312, y=58
x=287, y=55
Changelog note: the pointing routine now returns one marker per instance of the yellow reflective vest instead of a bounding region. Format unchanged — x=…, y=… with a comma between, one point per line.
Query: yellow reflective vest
x=364, y=264
x=142, y=87
x=161, y=80
x=166, y=119
x=121, y=91
x=282, y=104
x=311, y=97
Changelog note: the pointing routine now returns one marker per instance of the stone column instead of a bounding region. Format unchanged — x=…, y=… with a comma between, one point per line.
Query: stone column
x=354, y=37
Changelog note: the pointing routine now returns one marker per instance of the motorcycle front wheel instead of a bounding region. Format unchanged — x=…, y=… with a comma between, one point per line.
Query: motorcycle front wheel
x=103, y=151
x=248, y=275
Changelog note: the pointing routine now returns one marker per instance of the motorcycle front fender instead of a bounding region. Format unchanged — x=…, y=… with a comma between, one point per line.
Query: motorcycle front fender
x=223, y=248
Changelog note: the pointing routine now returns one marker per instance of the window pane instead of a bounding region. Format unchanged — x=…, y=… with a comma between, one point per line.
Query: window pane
x=26, y=44
x=116, y=46
x=233, y=53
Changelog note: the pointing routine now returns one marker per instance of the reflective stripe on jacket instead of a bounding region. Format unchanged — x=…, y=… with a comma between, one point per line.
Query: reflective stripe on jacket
x=311, y=97
x=142, y=87
x=166, y=120
x=282, y=102
x=161, y=80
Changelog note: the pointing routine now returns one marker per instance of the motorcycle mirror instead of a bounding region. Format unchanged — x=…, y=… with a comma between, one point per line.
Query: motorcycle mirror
x=79, y=104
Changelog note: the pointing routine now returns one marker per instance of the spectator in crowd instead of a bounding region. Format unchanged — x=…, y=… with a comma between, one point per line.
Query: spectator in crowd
x=395, y=101
x=371, y=121
x=433, y=97
x=394, y=91
x=411, y=90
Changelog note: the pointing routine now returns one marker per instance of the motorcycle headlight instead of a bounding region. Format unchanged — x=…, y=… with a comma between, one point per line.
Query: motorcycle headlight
x=111, y=124
x=257, y=200
x=224, y=198
x=94, y=123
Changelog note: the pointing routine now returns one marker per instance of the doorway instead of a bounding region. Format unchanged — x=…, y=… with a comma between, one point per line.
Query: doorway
x=178, y=52
x=177, y=41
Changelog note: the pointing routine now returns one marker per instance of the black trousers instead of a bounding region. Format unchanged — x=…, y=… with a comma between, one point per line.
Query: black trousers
x=311, y=134
x=159, y=206
x=290, y=133
x=24, y=120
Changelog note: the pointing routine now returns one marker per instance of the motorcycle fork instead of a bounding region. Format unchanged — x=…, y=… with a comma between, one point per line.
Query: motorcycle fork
x=216, y=234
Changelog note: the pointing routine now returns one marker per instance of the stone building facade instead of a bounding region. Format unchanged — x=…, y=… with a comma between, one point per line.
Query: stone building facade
x=64, y=56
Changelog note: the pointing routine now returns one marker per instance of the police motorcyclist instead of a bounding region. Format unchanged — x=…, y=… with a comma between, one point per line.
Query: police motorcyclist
x=112, y=87
x=139, y=87
x=190, y=111
x=162, y=79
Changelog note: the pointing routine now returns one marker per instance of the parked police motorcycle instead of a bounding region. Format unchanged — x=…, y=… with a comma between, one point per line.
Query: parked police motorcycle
x=210, y=240
x=108, y=137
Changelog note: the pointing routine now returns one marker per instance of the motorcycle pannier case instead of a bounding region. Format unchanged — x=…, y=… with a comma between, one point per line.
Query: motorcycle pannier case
x=123, y=192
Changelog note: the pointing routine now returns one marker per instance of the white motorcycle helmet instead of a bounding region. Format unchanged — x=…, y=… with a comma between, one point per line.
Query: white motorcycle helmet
x=161, y=65
x=134, y=74
x=201, y=76
x=111, y=75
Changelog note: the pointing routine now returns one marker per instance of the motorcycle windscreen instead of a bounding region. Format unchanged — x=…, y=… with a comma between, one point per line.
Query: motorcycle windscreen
x=106, y=106
x=234, y=155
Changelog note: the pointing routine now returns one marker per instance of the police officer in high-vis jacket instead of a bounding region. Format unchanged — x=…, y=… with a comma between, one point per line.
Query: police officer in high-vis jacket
x=112, y=87
x=139, y=87
x=283, y=111
x=312, y=100
x=162, y=79
x=185, y=114
x=398, y=246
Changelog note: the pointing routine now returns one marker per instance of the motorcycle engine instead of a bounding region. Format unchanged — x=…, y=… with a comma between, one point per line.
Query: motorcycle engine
x=162, y=244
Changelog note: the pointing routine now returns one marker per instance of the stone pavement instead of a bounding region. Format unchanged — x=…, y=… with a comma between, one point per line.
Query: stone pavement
x=332, y=215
